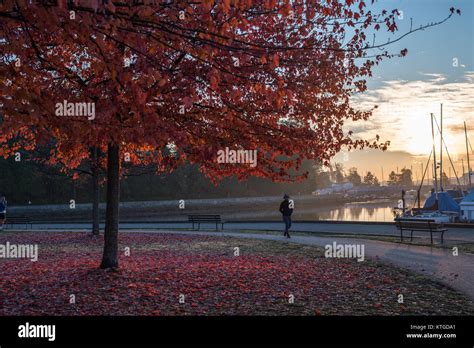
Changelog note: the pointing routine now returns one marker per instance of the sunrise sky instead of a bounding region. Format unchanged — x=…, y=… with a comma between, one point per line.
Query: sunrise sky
x=408, y=89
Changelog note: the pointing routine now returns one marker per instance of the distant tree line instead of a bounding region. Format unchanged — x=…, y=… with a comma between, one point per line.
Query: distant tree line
x=368, y=180
x=404, y=178
x=29, y=181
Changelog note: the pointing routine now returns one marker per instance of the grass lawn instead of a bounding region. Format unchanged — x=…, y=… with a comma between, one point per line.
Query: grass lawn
x=205, y=273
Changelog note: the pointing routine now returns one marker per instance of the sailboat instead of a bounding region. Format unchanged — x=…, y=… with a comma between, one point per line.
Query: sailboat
x=440, y=206
x=467, y=203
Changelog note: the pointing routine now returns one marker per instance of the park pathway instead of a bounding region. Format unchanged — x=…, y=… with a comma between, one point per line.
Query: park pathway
x=454, y=235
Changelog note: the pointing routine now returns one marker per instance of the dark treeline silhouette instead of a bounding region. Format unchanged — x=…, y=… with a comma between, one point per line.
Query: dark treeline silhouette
x=27, y=181
x=30, y=181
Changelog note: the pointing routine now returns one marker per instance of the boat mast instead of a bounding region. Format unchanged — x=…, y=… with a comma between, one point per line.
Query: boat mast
x=434, y=160
x=441, y=153
x=422, y=173
x=464, y=178
x=467, y=153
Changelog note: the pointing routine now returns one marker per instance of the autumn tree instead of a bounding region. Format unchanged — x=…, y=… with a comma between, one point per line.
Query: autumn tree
x=175, y=81
x=91, y=166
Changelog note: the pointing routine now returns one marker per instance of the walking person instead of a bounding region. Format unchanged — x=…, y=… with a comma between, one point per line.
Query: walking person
x=286, y=209
x=3, y=210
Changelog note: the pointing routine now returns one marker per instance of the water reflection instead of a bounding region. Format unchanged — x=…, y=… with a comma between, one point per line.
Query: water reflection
x=356, y=212
x=366, y=211
x=378, y=211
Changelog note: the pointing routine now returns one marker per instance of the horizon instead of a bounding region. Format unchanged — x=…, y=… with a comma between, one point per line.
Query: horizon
x=439, y=68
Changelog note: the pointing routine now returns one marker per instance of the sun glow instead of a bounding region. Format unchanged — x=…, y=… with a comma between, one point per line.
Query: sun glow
x=415, y=136
x=410, y=129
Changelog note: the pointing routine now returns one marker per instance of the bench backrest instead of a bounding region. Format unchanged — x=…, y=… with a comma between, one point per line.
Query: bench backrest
x=204, y=218
x=14, y=219
x=418, y=223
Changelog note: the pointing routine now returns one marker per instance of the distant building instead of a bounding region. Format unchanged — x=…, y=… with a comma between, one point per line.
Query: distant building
x=342, y=187
x=467, y=207
x=335, y=188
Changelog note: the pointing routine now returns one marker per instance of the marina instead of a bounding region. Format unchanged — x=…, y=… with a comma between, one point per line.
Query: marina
x=442, y=206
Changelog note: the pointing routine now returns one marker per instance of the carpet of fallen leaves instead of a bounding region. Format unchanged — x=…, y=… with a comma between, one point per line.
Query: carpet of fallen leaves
x=162, y=267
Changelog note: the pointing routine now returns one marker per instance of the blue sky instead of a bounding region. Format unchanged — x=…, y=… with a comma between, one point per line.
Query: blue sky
x=408, y=89
x=431, y=50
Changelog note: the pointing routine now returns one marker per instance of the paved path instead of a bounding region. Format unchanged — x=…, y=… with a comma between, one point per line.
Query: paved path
x=465, y=235
x=453, y=234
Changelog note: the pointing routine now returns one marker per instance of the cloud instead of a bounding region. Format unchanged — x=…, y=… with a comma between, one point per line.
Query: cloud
x=460, y=128
x=403, y=115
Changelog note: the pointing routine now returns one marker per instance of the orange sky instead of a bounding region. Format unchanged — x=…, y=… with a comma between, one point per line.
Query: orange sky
x=403, y=117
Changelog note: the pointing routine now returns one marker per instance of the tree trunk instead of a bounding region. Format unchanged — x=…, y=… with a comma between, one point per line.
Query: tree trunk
x=95, y=190
x=110, y=256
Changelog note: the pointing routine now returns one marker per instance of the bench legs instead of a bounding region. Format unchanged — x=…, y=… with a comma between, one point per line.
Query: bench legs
x=431, y=235
x=199, y=225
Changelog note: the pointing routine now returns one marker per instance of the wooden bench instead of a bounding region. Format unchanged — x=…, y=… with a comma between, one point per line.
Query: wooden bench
x=18, y=220
x=421, y=225
x=198, y=219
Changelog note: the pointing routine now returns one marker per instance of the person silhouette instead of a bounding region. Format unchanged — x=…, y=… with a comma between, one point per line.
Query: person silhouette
x=3, y=210
x=286, y=209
